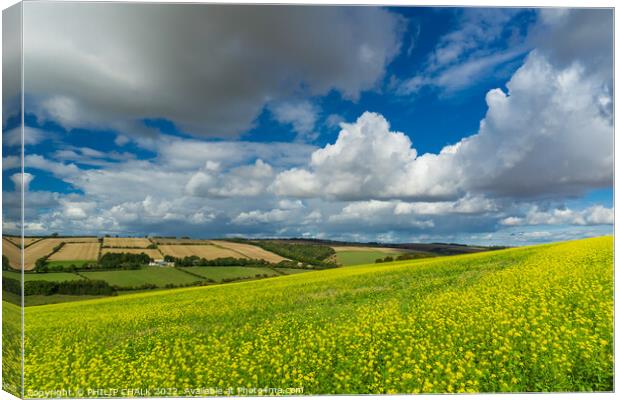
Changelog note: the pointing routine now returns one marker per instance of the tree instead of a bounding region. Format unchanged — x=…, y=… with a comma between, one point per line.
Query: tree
x=41, y=265
x=5, y=263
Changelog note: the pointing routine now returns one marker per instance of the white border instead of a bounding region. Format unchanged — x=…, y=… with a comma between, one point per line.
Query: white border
x=480, y=3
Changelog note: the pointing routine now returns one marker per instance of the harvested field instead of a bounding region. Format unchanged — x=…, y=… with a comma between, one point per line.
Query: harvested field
x=153, y=253
x=12, y=252
x=39, y=249
x=179, y=241
x=209, y=252
x=250, y=251
x=126, y=242
x=77, y=251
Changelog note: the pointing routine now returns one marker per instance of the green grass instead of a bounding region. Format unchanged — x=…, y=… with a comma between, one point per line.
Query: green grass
x=361, y=257
x=48, y=276
x=220, y=273
x=159, y=276
x=520, y=320
x=65, y=263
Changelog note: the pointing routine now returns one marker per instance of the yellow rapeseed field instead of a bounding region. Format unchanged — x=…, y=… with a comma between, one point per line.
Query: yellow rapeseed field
x=529, y=319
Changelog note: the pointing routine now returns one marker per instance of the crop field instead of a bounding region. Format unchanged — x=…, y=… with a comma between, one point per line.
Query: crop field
x=159, y=276
x=51, y=276
x=250, y=251
x=153, y=253
x=208, y=252
x=126, y=242
x=219, y=273
x=519, y=320
x=12, y=252
x=77, y=251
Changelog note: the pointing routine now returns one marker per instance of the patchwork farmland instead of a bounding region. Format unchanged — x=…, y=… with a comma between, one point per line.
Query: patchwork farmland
x=107, y=266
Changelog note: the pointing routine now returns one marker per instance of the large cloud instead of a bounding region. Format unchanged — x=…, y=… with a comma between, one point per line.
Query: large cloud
x=208, y=68
x=548, y=135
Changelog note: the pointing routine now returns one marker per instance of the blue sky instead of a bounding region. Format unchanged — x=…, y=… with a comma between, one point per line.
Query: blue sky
x=487, y=126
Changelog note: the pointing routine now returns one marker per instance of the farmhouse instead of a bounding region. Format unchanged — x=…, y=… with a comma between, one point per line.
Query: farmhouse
x=161, y=263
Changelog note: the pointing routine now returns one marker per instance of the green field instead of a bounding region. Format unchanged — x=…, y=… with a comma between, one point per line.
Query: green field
x=159, y=276
x=519, y=320
x=219, y=273
x=353, y=257
x=50, y=276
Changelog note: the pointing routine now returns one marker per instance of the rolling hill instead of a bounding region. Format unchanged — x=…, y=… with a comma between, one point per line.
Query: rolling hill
x=530, y=319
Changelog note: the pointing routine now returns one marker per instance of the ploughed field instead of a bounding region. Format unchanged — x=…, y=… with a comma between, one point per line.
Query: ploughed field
x=529, y=319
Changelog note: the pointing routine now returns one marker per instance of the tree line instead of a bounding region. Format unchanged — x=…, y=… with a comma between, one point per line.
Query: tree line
x=106, y=262
x=47, y=288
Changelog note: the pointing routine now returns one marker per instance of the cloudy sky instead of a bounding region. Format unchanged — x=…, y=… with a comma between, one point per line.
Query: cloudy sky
x=486, y=126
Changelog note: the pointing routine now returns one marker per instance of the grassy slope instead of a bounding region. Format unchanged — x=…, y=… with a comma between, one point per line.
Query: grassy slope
x=159, y=276
x=219, y=273
x=528, y=319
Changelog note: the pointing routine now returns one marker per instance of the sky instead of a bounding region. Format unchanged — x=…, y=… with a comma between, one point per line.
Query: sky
x=485, y=126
